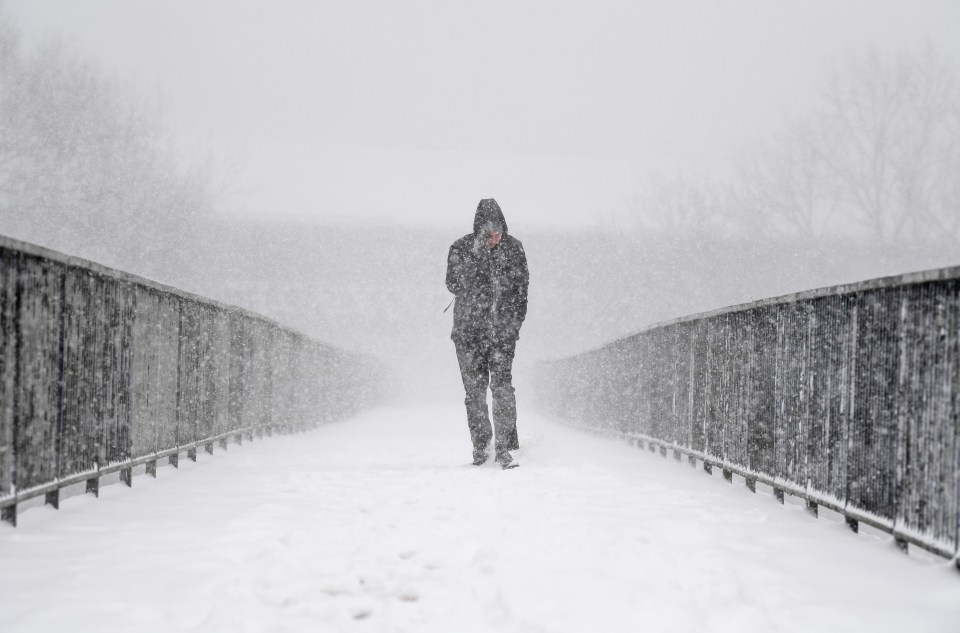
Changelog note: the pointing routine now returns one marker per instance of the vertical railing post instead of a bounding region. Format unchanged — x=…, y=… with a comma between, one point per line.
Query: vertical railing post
x=128, y=315
x=901, y=451
x=175, y=458
x=152, y=464
x=9, y=514
x=53, y=497
x=956, y=447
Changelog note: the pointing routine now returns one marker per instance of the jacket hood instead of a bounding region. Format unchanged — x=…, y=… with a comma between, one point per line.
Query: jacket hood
x=489, y=211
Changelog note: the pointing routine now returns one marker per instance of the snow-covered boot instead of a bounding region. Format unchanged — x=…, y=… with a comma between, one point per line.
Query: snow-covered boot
x=505, y=459
x=480, y=457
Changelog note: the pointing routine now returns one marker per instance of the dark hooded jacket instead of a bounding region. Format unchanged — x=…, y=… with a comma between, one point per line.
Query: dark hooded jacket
x=490, y=284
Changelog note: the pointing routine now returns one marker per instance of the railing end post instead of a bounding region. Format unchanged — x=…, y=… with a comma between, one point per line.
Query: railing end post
x=902, y=544
x=853, y=524
x=93, y=486
x=152, y=468
x=707, y=468
x=223, y=443
x=778, y=493
x=192, y=454
x=52, y=498
x=751, y=484
x=677, y=455
x=692, y=461
x=126, y=476
x=728, y=475
x=175, y=460
x=812, y=508
x=663, y=451
x=9, y=515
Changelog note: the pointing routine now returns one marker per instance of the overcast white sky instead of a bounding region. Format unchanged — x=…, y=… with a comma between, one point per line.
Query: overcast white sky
x=414, y=110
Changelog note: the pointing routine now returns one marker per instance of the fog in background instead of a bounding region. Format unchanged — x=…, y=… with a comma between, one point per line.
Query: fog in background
x=313, y=161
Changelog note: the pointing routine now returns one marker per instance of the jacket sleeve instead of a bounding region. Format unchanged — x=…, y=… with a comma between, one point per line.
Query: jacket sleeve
x=523, y=282
x=454, y=270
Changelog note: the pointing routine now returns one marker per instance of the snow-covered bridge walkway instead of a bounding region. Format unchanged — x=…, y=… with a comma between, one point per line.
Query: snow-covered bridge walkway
x=379, y=524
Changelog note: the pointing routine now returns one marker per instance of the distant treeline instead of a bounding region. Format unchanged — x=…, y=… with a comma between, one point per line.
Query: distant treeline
x=876, y=159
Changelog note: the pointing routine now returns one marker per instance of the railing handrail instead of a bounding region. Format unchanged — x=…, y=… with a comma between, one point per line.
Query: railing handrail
x=36, y=250
x=890, y=281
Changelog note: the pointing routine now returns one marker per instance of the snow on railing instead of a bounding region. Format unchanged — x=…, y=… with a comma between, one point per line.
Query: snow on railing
x=102, y=371
x=848, y=397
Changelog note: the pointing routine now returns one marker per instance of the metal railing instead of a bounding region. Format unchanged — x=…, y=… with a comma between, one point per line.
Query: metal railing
x=102, y=371
x=848, y=397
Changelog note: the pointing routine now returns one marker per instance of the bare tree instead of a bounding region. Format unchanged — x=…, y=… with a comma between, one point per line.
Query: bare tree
x=682, y=206
x=878, y=158
x=785, y=187
x=86, y=166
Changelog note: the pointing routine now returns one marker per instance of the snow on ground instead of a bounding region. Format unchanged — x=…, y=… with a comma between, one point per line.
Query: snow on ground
x=379, y=524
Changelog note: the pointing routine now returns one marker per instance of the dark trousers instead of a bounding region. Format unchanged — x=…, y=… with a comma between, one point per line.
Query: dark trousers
x=484, y=364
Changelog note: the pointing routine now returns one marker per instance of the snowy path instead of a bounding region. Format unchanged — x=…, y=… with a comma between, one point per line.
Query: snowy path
x=378, y=524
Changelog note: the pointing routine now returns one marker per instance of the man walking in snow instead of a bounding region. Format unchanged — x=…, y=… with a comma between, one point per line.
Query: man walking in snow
x=487, y=271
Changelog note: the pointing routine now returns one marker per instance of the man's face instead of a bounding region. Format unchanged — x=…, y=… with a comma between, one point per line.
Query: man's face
x=494, y=238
